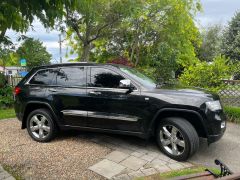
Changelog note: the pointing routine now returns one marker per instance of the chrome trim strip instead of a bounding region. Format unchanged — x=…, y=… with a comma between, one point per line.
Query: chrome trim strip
x=89, y=66
x=74, y=113
x=120, y=117
x=29, y=79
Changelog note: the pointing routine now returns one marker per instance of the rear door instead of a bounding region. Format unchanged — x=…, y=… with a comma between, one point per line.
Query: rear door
x=68, y=94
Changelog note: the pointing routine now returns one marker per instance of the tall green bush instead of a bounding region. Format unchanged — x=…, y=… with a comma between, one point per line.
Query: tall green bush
x=6, y=97
x=207, y=75
x=2, y=80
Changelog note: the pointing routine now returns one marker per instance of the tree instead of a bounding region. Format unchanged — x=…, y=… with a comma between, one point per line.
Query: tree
x=93, y=20
x=150, y=35
x=231, y=40
x=211, y=43
x=34, y=52
x=19, y=14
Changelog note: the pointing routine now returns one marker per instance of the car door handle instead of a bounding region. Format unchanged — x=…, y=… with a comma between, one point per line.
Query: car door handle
x=95, y=92
x=52, y=90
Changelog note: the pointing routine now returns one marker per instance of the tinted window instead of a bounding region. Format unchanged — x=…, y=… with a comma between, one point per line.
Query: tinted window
x=140, y=77
x=43, y=77
x=71, y=76
x=100, y=77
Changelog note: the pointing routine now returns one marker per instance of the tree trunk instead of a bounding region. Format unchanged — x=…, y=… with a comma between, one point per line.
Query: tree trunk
x=86, y=52
x=137, y=56
x=132, y=52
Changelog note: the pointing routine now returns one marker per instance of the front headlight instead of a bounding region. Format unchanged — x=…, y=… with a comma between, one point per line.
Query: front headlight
x=214, y=105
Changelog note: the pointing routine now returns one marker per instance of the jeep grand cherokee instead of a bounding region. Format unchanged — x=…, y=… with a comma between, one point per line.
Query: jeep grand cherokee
x=116, y=99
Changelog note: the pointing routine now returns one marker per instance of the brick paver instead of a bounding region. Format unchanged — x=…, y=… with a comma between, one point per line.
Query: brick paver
x=132, y=159
x=107, y=168
x=133, y=163
x=117, y=156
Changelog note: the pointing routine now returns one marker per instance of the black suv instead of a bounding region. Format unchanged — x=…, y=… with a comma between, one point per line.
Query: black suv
x=116, y=99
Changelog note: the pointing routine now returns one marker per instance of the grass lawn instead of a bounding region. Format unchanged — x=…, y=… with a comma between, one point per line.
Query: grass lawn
x=7, y=113
x=178, y=173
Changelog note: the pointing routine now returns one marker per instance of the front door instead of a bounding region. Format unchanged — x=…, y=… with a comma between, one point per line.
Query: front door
x=109, y=106
x=69, y=94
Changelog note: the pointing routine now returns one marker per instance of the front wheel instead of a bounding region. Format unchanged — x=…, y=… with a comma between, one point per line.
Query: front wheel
x=40, y=125
x=177, y=138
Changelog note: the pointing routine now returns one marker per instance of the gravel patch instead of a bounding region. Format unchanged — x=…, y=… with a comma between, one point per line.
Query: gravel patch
x=67, y=157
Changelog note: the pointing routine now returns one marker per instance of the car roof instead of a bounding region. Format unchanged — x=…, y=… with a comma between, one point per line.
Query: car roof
x=78, y=64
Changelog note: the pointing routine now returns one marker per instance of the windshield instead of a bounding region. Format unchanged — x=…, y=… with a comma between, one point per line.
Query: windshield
x=140, y=77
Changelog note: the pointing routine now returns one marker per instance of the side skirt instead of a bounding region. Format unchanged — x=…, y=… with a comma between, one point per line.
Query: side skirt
x=137, y=134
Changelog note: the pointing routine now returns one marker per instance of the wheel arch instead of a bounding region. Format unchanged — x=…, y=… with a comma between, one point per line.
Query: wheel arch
x=31, y=106
x=191, y=116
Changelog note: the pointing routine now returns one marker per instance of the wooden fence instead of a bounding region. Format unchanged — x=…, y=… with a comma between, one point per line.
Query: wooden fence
x=230, y=92
x=13, y=80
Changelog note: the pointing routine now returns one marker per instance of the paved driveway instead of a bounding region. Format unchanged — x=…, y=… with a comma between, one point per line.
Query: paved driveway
x=227, y=149
x=81, y=155
x=89, y=155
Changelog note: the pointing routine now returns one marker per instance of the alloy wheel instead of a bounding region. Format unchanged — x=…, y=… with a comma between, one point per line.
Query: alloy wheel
x=172, y=140
x=39, y=126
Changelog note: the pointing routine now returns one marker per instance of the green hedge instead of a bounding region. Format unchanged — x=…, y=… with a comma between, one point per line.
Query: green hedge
x=233, y=113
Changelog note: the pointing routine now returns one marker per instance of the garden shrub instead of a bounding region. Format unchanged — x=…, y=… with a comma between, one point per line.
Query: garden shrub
x=2, y=80
x=6, y=97
x=207, y=75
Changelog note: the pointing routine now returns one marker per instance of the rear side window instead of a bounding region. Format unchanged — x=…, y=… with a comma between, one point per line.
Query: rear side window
x=71, y=76
x=43, y=77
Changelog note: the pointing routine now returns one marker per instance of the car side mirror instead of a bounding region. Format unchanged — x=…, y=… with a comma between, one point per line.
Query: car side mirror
x=125, y=83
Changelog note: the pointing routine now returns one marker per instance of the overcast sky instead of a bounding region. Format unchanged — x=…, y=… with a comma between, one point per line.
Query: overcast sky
x=214, y=12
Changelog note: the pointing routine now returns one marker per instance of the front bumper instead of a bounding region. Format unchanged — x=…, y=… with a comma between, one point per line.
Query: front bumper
x=217, y=126
x=214, y=138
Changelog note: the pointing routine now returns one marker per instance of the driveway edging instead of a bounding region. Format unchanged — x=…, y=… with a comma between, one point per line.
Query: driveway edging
x=4, y=175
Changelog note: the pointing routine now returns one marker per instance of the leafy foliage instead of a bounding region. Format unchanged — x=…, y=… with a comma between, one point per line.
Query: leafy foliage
x=207, y=75
x=231, y=40
x=94, y=20
x=211, y=45
x=6, y=97
x=34, y=52
x=19, y=14
x=151, y=33
x=2, y=80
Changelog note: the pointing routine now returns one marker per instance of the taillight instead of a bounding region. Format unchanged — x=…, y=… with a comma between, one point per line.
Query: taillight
x=17, y=90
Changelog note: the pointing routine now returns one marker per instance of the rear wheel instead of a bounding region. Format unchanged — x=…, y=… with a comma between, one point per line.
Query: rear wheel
x=177, y=138
x=41, y=126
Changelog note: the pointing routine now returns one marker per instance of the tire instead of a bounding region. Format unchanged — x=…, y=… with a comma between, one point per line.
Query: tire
x=41, y=126
x=180, y=146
